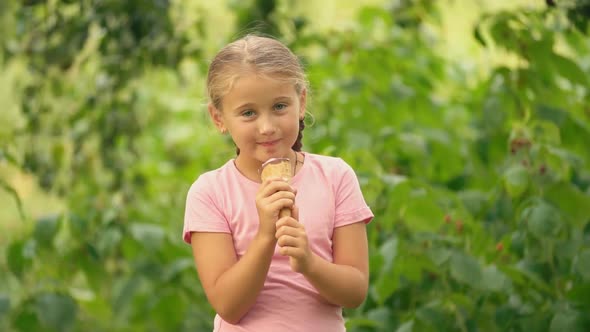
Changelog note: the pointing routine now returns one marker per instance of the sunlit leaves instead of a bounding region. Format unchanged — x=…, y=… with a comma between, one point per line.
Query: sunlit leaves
x=494, y=280
x=4, y=306
x=19, y=256
x=571, y=202
x=582, y=264
x=56, y=311
x=465, y=269
x=479, y=180
x=567, y=321
x=45, y=230
x=406, y=327
x=542, y=219
x=387, y=281
x=516, y=180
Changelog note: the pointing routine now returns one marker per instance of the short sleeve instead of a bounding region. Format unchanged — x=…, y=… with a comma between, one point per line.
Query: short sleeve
x=350, y=203
x=202, y=211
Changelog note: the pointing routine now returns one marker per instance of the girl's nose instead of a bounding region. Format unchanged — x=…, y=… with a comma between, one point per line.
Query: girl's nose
x=266, y=126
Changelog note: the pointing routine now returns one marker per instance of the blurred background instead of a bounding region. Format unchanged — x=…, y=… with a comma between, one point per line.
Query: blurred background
x=467, y=122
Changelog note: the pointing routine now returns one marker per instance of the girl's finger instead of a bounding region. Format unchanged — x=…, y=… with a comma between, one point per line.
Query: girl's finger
x=290, y=231
x=295, y=212
x=288, y=241
x=294, y=252
x=288, y=221
x=269, y=187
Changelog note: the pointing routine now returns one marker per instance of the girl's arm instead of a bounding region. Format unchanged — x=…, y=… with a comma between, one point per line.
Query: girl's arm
x=231, y=285
x=344, y=282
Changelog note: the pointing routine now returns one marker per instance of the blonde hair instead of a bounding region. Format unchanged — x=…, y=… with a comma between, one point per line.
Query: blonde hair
x=263, y=55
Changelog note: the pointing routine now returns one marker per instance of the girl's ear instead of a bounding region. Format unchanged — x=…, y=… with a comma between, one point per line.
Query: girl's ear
x=302, y=103
x=216, y=117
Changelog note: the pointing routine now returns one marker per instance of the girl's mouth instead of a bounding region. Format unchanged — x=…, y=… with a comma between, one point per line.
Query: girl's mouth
x=269, y=143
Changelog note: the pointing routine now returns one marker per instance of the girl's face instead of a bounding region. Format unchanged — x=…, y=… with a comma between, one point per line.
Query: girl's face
x=262, y=116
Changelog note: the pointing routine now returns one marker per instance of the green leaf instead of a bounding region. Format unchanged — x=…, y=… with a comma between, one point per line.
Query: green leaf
x=109, y=240
x=536, y=321
x=463, y=301
x=4, y=306
x=465, y=269
x=417, y=205
x=354, y=322
x=569, y=70
x=380, y=315
x=494, y=280
x=79, y=225
x=566, y=321
x=151, y=236
x=570, y=201
x=8, y=188
x=543, y=220
x=165, y=311
x=56, y=311
x=423, y=214
x=19, y=257
x=504, y=33
x=439, y=256
x=478, y=36
x=406, y=327
x=516, y=180
x=359, y=140
x=522, y=274
x=475, y=201
x=88, y=261
x=389, y=251
x=494, y=117
x=431, y=315
x=25, y=318
x=582, y=264
x=124, y=290
x=385, y=286
x=368, y=15
x=46, y=228
x=552, y=114
x=580, y=294
x=546, y=132
x=176, y=267
x=411, y=268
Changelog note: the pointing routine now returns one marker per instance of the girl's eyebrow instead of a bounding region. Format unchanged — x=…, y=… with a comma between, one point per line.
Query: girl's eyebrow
x=244, y=106
x=282, y=98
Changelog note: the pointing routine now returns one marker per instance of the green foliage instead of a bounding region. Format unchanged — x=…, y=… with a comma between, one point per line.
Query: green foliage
x=480, y=184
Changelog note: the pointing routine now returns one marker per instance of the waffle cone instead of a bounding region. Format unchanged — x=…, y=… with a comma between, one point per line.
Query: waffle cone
x=281, y=169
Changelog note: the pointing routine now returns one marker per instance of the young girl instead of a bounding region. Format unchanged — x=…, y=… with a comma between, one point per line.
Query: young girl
x=261, y=272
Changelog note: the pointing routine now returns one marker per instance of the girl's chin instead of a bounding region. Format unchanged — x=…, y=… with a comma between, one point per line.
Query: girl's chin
x=262, y=154
x=275, y=153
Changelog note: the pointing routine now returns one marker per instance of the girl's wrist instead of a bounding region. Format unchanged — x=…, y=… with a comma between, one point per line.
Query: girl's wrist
x=265, y=239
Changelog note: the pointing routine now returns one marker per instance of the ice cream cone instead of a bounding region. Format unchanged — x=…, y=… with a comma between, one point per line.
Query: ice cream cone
x=278, y=167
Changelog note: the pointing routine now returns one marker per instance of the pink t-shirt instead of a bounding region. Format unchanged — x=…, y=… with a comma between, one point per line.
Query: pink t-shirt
x=328, y=196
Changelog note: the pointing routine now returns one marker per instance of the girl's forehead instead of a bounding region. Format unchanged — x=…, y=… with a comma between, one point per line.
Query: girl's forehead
x=257, y=82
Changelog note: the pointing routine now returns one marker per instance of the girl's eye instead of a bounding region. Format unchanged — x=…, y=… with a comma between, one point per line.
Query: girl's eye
x=280, y=107
x=248, y=113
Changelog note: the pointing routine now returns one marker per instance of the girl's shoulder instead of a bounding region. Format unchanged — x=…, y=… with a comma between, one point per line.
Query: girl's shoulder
x=327, y=163
x=211, y=179
x=215, y=172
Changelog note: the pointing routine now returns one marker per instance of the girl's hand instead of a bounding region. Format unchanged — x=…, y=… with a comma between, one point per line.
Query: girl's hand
x=292, y=240
x=273, y=195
